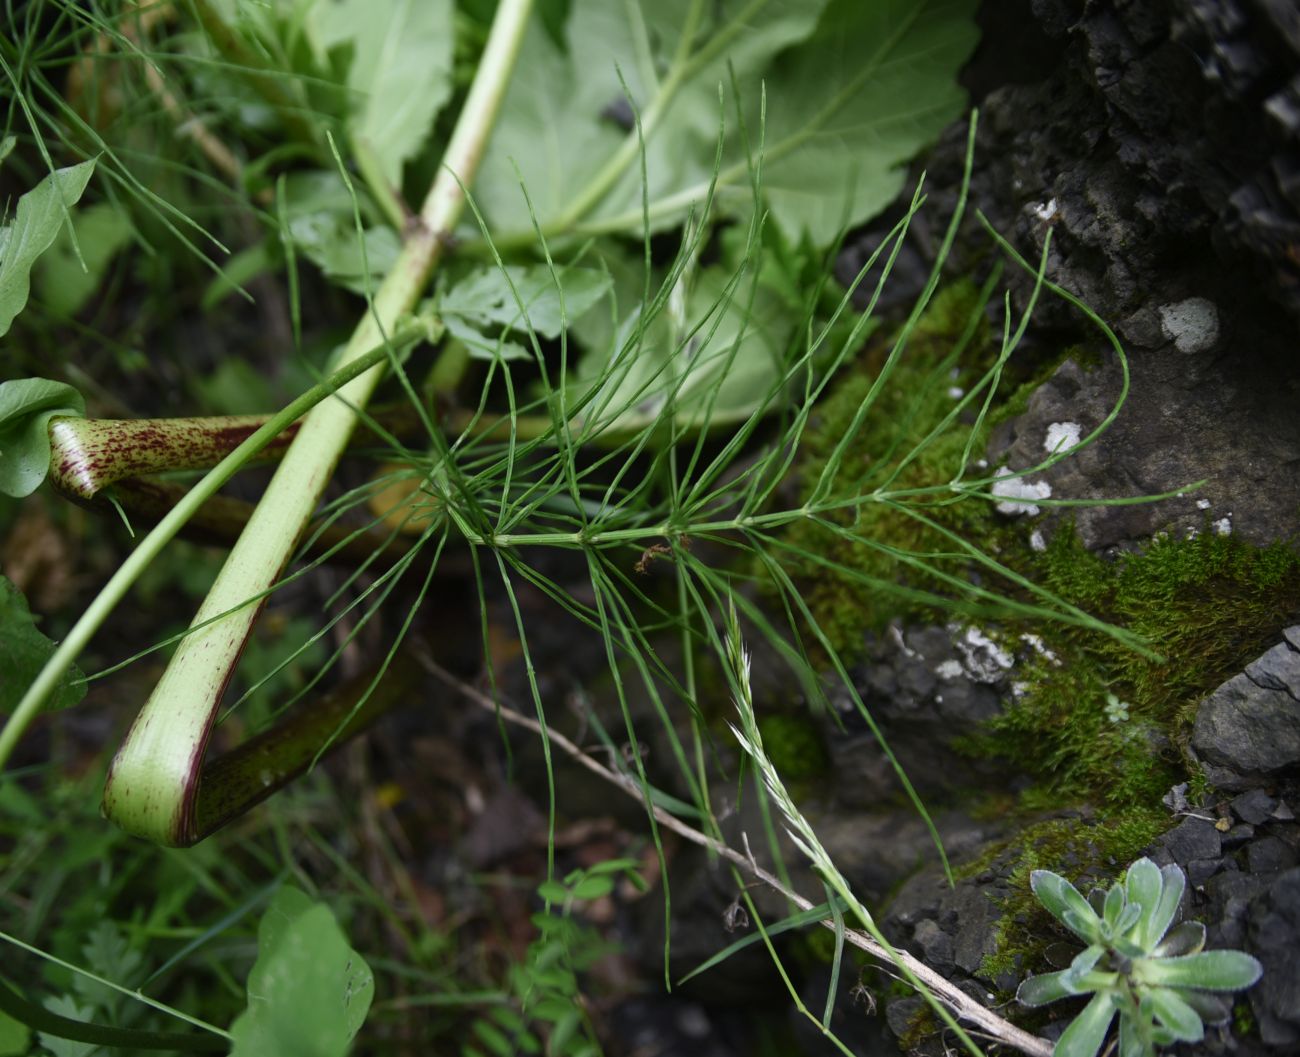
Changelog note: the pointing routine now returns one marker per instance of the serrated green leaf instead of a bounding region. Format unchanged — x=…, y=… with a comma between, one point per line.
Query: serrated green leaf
x=64, y=278
x=40, y=215
x=66, y=1006
x=23, y=653
x=320, y=222
x=1206, y=970
x=400, y=70
x=493, y=296
x=26, y=407
x=108, y=954
x=308, y=992
x=1086, y=1033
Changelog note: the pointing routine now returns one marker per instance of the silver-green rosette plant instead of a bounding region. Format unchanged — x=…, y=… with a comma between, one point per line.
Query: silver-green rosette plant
x=1159, y=980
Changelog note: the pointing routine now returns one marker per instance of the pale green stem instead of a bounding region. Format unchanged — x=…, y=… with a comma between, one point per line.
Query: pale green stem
x=151, y=788
x=151, y=545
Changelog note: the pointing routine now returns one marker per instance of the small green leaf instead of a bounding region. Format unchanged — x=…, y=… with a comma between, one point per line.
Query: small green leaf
x=1187, y=938
x=593, y=887
x=1112, y=908
x=1177, y=1016
x=23, y=653
x=1049, y=987
x=1086, y=1033
x=1207, y=970
x=26, y=407
x=1153, y=929
x=40, y=215
x=1064, y=903
x=308, y=992
x=1143, y=884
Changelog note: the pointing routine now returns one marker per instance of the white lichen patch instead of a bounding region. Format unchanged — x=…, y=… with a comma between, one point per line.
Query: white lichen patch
x=1036, y=643
x=950, y=670
x=1017, y=493
x=1062, y=435
x=1037, y=543
x=1202, y=504
x=1223, y=527
x=1044, y=211
x=983, y=660
x=1192, y=325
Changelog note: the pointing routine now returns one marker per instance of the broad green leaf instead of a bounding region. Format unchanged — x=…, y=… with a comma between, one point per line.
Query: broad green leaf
x=1207, y=970
x=26, y=407
x=400, y=71
x=853, y=90
x=23, y=653
x=852, y=104
x=63, y=279
x=40, y=214
x=308, y=992
x=1087, y=1031
x=560, y=122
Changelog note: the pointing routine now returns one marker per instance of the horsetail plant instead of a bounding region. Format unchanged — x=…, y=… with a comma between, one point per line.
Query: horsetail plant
x=1160, y=981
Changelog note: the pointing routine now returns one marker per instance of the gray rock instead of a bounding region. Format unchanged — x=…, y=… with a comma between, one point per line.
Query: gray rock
x=1268, y=854
x=1193, y=838
x=1254, y=807
x=935, y=946
x=1248, y=731
x=1278, y=669
x=1275, y=941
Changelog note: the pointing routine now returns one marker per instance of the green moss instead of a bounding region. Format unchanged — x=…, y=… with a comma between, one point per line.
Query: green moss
x=891, y=450
x=794, y=745
x=1103, y=724
x=1071, y=847
x=1243, y=1018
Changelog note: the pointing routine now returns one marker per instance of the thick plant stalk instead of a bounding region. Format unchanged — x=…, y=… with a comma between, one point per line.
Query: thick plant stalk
x=153, y=784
